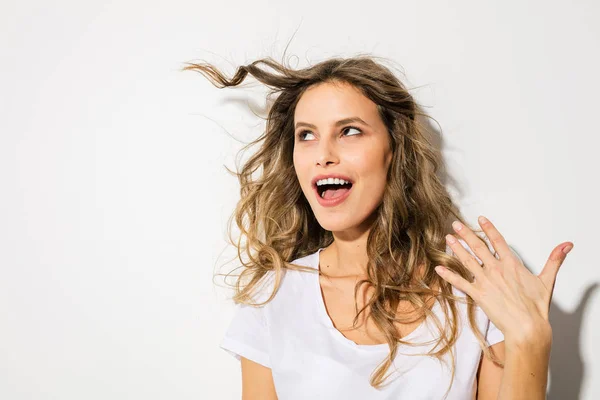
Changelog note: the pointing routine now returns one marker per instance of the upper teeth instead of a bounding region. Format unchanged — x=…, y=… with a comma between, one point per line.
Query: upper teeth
x=331, y=181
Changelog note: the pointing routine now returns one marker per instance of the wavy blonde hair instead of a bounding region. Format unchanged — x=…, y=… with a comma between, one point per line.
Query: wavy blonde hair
x=407, y=237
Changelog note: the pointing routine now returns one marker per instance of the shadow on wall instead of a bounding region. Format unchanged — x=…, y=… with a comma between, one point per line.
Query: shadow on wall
x=566, y=366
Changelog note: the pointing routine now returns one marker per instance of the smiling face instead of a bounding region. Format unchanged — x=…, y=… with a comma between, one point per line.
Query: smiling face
x=326, y=145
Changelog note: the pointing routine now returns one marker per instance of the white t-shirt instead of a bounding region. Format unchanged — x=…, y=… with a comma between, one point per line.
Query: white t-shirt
x=310, y=359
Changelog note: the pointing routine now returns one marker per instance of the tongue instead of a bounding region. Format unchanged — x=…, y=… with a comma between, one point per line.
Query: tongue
x=333, y=193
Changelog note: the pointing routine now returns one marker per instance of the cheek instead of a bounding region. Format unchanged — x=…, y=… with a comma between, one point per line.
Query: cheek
x=302, y=170
x=297, y=162
x=367, y=165
x=372, y=168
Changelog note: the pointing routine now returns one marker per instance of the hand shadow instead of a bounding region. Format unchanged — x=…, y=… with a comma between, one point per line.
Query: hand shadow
x=567, y=368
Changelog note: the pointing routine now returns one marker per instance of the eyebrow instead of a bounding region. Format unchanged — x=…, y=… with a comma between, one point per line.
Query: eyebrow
x=338, y=123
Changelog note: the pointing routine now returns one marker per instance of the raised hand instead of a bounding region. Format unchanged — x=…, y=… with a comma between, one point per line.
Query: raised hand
x=514, y=299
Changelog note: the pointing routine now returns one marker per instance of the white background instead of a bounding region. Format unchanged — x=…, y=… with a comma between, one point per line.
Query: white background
x=114, y=196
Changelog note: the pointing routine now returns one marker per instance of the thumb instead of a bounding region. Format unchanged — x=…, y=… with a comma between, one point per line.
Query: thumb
x=557, y=257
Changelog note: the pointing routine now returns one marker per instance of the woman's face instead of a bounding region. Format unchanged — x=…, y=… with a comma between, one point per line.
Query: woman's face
x=357, y=150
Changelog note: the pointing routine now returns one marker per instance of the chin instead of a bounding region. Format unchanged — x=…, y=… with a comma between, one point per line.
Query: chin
x=344, y=221
x=333, y=224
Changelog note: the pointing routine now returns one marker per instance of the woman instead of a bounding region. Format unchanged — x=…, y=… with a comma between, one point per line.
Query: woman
x=344, y=184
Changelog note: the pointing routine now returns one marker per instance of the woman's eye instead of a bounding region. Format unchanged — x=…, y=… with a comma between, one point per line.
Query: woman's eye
x=303, y=134
x=350, y=128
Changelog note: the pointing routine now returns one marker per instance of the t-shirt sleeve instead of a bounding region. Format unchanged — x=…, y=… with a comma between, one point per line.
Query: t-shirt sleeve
x=248, y=335
x=494, y=335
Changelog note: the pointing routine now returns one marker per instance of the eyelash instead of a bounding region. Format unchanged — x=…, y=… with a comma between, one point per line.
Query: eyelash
x=300, y=135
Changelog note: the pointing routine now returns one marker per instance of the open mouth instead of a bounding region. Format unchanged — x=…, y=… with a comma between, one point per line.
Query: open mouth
x=332, y=191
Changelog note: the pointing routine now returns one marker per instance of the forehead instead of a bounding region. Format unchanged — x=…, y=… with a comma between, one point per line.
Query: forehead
x=331, y=101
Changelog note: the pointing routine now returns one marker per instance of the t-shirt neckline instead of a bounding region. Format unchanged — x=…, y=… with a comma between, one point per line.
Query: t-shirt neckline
x=324, y=317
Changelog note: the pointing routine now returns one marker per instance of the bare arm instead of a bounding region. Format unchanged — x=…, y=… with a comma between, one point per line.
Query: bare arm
x=257, y=381
x=489, y=375
x=525, y=373
x=526, y=369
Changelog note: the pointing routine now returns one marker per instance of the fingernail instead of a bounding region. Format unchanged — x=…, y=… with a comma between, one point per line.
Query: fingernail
x=482, y=219
x=440, y=270
x=567, y=249
x=457, y=225
x=450, y=238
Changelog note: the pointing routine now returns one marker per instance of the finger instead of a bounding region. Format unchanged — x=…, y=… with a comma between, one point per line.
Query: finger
x=550, y=270
x=497, y=240
x=456, y=280
x=478, y=246
x=464, y=256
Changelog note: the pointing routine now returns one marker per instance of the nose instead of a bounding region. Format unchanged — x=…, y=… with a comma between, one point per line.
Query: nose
x=326, y=154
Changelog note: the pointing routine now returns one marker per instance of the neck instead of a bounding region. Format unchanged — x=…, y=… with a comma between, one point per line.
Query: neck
x=347, y=255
